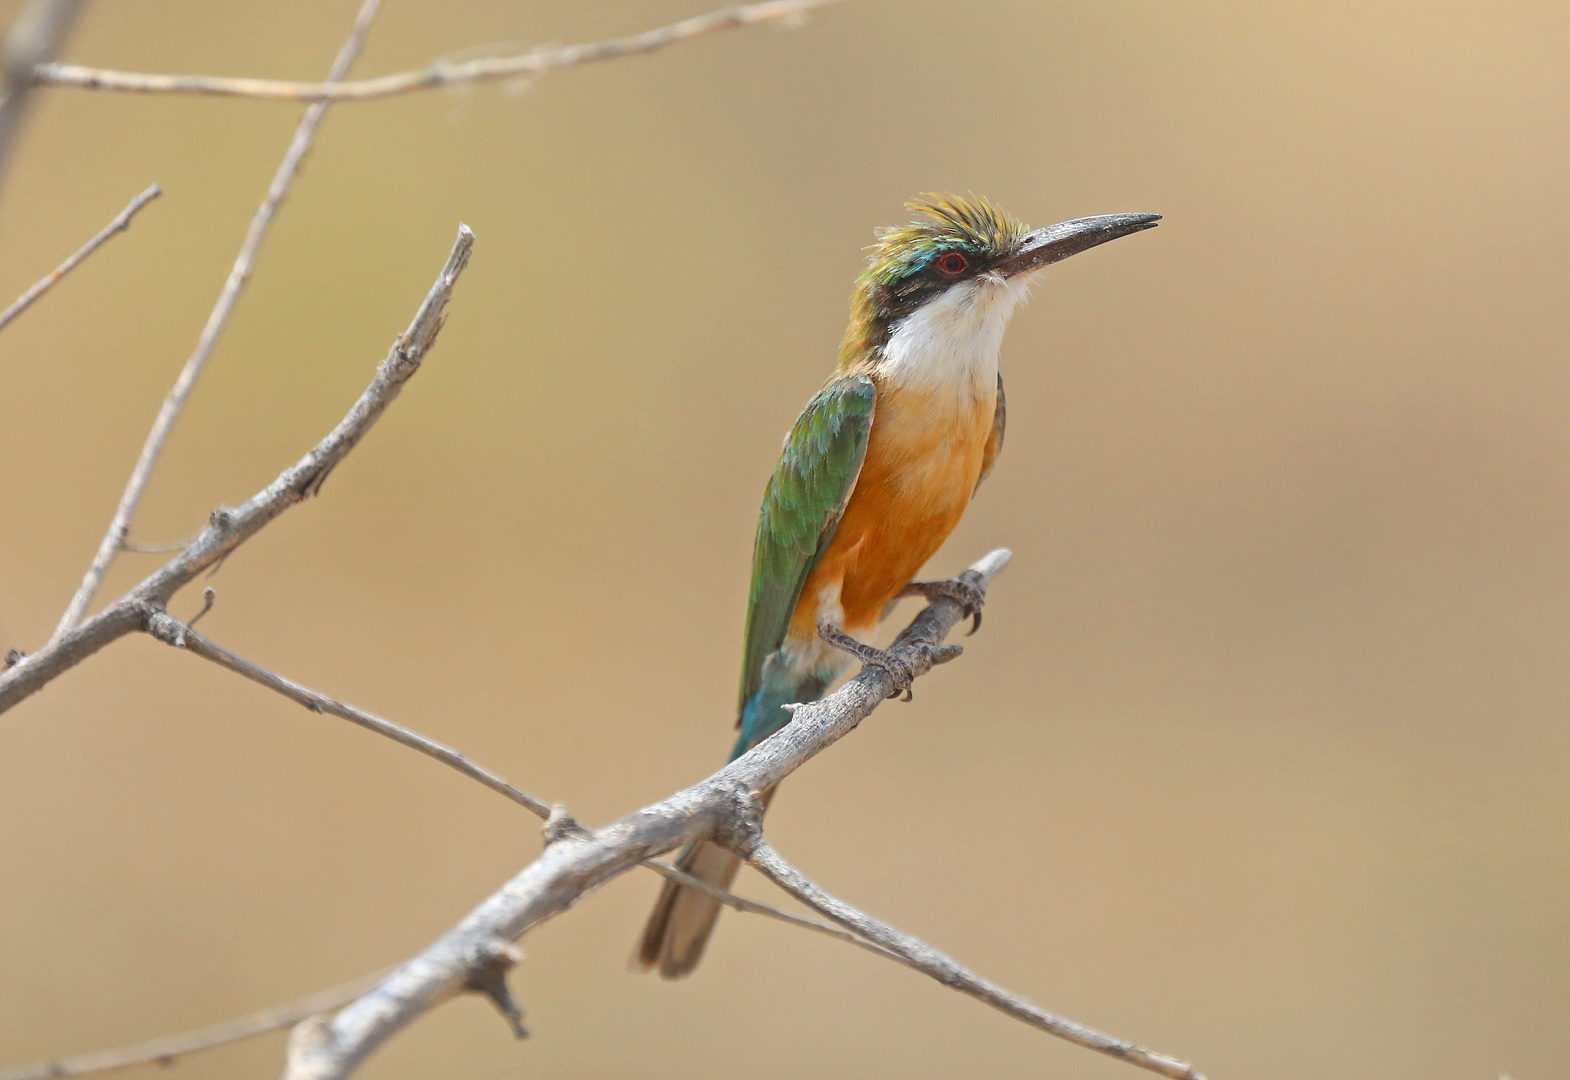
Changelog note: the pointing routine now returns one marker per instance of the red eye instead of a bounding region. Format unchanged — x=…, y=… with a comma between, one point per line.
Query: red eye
x=953, y=264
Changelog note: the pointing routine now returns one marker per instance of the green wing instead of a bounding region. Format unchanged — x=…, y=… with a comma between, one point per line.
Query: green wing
x=801, y=509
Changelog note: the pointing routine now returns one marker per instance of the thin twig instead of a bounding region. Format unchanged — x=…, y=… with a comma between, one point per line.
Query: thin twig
x=172, y=631
x=47, y=282
x=163, y=1051
x=34, y=39
x=228, y=527
x=924, y=958
x=239, y=274
x=529, y=66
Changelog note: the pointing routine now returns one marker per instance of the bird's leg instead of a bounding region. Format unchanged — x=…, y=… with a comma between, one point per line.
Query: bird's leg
x=963, y=593
x=898, y=670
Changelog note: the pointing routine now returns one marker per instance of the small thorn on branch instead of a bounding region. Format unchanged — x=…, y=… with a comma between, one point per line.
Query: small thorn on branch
x=488, y=976
x=209, y=594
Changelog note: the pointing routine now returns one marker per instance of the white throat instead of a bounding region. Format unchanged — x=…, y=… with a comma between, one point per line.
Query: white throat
x=952, y=341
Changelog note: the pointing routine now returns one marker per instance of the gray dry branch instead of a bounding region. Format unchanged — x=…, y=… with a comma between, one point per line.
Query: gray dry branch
x=579, y=862
x=725, y=806
x=229, y=527
x=527, y=66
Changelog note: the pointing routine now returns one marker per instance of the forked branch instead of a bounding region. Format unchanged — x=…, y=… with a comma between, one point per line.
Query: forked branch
x=239, y=273
x=229, y=527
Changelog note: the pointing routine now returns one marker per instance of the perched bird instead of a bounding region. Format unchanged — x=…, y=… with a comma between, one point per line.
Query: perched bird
x=875, y=474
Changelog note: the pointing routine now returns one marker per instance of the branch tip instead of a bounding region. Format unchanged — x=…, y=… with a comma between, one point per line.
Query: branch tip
x=121, y=222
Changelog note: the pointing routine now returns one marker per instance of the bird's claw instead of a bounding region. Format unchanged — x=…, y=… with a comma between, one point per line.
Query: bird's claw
x=899, y=671
x=967, y=596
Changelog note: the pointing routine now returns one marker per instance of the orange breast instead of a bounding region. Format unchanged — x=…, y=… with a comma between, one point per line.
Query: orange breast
x=924, y=458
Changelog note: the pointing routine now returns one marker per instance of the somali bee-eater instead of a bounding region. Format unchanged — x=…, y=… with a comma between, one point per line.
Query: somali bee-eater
x=875, y=474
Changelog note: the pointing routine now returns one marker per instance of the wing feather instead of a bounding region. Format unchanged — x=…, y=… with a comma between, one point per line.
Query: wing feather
x=802, y=506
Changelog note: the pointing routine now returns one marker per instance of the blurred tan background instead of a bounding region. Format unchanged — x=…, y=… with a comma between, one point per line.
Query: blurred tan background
x=1261, y=757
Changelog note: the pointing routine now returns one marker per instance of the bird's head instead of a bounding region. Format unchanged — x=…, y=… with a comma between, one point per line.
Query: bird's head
x=967, y=252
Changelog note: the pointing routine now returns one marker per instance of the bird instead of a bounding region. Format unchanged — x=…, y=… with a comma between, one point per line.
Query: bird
x=874, y=475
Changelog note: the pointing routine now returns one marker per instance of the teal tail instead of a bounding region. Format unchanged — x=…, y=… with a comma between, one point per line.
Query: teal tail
x=682, y=920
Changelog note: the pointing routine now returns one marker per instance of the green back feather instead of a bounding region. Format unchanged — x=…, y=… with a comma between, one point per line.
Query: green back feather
x=801, y=510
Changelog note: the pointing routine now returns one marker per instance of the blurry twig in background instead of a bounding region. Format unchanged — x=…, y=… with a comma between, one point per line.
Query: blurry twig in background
x=228, y=527
x=239, y=274
x=528, y=66
x=47, y=282
x=34, y=39
x=163, y=1051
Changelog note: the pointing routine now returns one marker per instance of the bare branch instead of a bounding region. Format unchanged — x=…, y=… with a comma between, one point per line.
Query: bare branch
x=163, y=1051
x=171, y=631
x=35, y=39
x=228, y=528
x=924, y=958
x=528, y=66
x=580, y=862
x=239, y=274
x=121, y=222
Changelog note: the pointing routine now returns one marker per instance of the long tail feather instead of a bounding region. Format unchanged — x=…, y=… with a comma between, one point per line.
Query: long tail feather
x=682, y=920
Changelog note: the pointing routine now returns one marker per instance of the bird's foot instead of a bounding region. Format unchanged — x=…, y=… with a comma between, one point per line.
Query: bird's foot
x=870, y=655
x=963, y=593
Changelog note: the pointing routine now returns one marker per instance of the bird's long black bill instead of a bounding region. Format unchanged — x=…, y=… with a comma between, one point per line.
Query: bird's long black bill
x=1057, y=242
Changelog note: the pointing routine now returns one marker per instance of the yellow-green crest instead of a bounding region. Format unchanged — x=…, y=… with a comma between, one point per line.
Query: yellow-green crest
x=949, y=239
